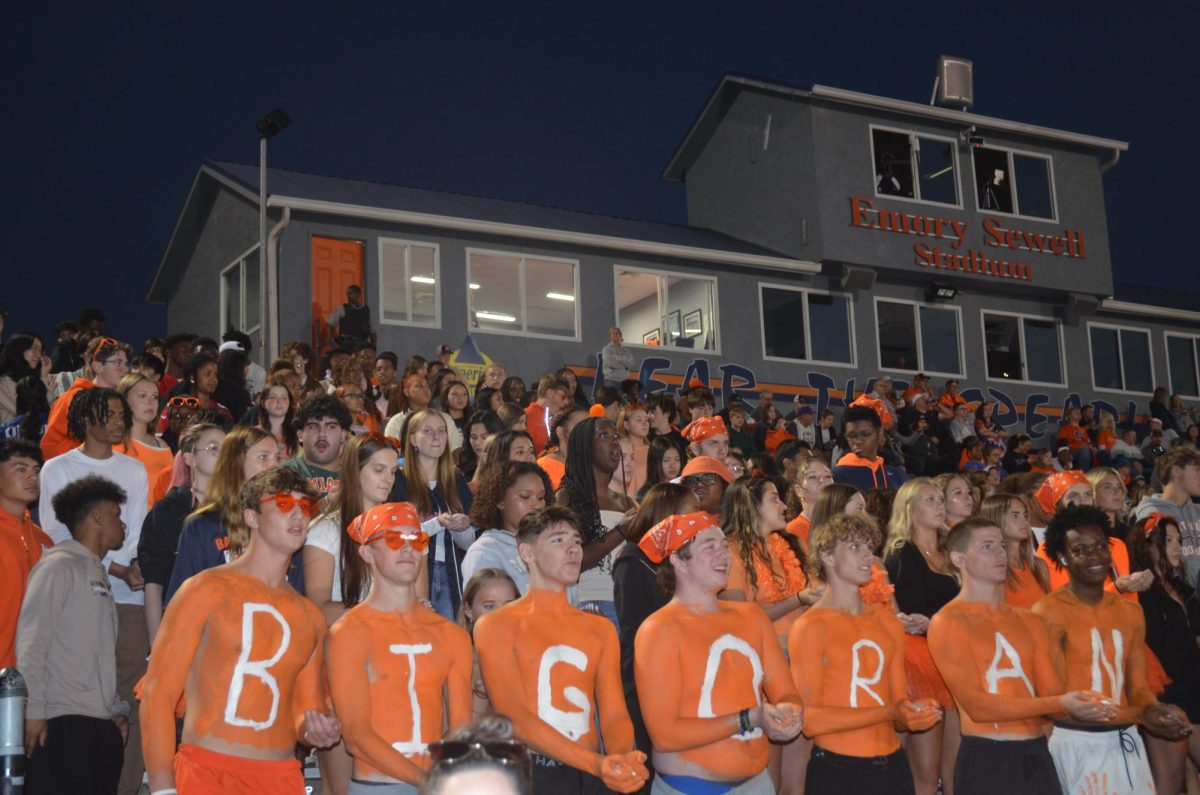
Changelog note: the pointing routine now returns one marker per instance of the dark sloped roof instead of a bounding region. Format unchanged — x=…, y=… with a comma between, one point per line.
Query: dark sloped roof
x=338, y=190
x=1157, y=296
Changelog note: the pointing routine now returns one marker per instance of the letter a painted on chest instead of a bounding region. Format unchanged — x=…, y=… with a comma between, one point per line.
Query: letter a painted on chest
x=258, y=669
x=859, y=682
x=1013, y=671
x=719, y=646
x=571, y=725
x=414, y=746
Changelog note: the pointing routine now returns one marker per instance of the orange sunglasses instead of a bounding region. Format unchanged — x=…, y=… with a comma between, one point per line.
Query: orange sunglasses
x=286, y=501
x=395, y=539
x=190, y=402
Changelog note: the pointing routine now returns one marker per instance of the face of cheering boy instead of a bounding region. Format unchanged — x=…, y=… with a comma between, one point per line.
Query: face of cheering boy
x=1087, y=556
x=707, y=565
x=985, y=559
x=282, y=531
x=850, y=561
x=555, y=558
x=400, y=566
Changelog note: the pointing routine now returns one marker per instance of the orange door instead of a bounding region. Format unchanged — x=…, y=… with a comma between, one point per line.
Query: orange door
x=336, y=264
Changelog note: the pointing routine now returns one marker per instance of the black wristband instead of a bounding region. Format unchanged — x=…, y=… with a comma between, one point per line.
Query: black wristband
x=744, y=721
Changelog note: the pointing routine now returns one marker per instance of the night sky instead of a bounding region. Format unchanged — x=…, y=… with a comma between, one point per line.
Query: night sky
x=111, y=112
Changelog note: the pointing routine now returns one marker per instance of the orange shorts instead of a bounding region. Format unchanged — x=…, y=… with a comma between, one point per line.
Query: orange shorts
x=199, y=771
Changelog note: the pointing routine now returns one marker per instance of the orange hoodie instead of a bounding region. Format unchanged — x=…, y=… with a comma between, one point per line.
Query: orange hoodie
x=56, y=440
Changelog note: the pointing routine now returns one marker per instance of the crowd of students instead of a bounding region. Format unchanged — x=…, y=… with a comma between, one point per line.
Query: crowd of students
x=376, y=562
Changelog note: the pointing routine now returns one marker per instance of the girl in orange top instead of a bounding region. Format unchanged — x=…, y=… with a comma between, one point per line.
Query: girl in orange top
x=1028, y=580
x=710, y=672
x=767, y=568
x=812, y=475
x=397, y=671
x=848, y=663
x=140, y=443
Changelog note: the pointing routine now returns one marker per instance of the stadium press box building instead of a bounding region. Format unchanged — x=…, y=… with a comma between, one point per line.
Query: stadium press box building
x=832, y=236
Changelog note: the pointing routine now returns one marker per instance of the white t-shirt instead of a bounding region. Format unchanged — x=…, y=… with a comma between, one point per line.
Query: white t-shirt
x=596, y=584
x=326, y=534
x=126, y=472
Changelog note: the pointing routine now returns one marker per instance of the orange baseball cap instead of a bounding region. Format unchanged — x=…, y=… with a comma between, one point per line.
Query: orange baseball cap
x=368, y=526
x=669, y=535
x=704, y=464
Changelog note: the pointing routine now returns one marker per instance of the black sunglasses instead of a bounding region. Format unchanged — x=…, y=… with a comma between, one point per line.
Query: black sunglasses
x=508, y=753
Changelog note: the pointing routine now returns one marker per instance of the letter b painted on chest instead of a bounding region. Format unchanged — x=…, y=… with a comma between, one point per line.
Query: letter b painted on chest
x=258, y=669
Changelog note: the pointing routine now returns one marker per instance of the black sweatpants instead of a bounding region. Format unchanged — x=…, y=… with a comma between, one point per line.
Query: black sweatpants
x=551, y=777
x=1002, y=767
x=859, y=775
x=82, y=756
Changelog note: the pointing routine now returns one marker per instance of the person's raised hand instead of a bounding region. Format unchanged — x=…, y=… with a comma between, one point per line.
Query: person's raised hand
x=1136, y=582
x=914, y=623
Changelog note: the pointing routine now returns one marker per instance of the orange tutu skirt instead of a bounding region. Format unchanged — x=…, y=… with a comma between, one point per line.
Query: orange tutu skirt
x=1156, y=675
x=924, y=681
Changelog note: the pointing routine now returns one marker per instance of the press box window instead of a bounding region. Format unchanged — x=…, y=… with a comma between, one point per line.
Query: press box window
x=1013, y=183
x=1022, y=349
x=1120, y=359
x=527, y=295
x=802, y=325
x=240, y=293
x=914, y=167
x=918, y=338
x=408, y=283
x=1183, y=362
x=671, y=310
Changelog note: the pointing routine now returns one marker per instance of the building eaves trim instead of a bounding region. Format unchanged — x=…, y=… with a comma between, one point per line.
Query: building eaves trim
x=1147, y=310
x=965, y=118
x=550, y=235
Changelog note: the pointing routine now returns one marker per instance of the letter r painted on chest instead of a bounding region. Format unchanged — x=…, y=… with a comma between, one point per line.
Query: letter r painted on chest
x=857, y=680
x=256, y=669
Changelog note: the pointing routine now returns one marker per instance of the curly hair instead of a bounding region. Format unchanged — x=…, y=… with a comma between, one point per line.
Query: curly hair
x=80, y=497
x=317, y=408
x=90, y=407
x=1070, y=518
x=837, y=528
x=485, y=509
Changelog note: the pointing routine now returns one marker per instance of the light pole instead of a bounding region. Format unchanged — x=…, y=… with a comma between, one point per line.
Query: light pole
x=268, y=127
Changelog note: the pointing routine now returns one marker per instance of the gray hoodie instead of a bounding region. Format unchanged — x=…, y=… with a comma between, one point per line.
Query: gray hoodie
x=1188, y=516
x=67, y=637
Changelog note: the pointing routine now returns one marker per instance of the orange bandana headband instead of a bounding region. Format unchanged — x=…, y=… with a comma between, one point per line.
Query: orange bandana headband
x=382, y=518
x=1055, y=486
x=669, y=535
x=704, y=428
x=1154, y=520
x=876, y=405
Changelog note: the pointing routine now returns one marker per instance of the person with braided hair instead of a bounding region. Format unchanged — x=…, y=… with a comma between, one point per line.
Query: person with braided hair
x=593, y=454
x=107, y=361
x=554, y=460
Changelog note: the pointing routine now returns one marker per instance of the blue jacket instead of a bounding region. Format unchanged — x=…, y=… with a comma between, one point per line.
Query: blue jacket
x=204, y=544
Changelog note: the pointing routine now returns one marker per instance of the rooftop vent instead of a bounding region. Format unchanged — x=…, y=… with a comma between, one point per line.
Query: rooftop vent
x=954, y=86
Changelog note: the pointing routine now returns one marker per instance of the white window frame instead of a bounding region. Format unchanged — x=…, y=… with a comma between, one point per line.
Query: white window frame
x=437, y=277
x=522, y=256
x=716, y=313
x=1062, y=358
x=1012, y=178
x=1120, y=357
x=916, y=181
x=239, y=263
x=1195, y=340
x=920, y=368
x=808, y=335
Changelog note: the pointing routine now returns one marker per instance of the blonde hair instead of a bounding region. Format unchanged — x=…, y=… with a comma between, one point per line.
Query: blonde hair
x=127, y=383
x=839, y=527
x=900, y=526
x=414, y=478
x=995, y=510
x=225, y=485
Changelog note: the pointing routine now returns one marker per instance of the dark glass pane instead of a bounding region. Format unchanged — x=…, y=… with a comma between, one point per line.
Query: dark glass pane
x=893, y=163
x=939, y=340
x=829, y=319
x=1002, y=342
x=1181, y=355
x=1044, y=362
x=1106, y=363
x=897, y=336
x=993, y=183
x=935, y=166
x=783, y=323
x=1034, y=196
x=1135, y=361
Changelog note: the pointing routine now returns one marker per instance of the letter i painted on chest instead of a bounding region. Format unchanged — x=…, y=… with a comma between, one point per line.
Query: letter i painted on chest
x=414, y=746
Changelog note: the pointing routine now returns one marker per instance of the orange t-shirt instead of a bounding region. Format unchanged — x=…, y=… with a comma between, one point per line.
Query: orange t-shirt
x=1100, y=647
x=693, y=666
x=56, y=440
x=850, y=671
x=1025, y=591
x=738, y=581
x=247, y=657
x=553, y=670
x=800, y=527
x=1073, y=436
x=156, y=460
x=946, y=399
x=389, y=675
x=997, y=663
x=1105, y=440
x=554, y=469
x=536, y=426
x=21, y=545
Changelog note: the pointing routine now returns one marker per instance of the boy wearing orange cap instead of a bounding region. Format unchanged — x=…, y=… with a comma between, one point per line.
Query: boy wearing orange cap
x=392, y=662
x=707, y=478
x=555, y=670
x=246, y=651
x=996, y=660
x=1098, y=642
x=847, y=660
x=711, y=677
x=707, y=436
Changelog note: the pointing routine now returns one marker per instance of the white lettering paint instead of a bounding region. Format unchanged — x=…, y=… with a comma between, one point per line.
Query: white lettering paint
x=571, y=725
x=414, y=746
x=721, y=645
x=1014, y=670
x=858, y=682
x=258, y=669
x=1115, y=669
